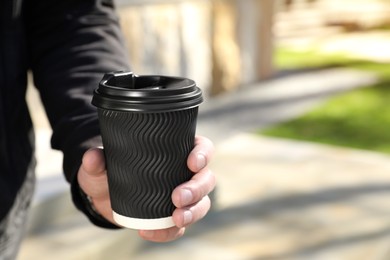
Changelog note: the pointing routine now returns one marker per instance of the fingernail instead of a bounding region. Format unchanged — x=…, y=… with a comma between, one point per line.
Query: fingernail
x=186, y=197
x=187, y=217
x=201, y=161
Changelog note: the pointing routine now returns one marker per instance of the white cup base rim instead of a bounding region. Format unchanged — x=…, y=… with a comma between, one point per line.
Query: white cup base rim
x=143, y=224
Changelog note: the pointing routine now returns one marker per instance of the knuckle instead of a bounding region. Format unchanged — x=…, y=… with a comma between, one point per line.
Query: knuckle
x=201, y=209
x=203, y=185
x=212, y=179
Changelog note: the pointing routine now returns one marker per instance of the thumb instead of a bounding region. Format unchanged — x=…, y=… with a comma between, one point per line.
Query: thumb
x=93, y=162
x=92, y=176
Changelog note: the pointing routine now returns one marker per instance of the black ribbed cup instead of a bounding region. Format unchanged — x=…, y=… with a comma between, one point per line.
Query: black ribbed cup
x=148, y=128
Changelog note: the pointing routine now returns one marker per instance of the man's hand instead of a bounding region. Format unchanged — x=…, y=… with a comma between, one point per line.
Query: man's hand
x=190, y=198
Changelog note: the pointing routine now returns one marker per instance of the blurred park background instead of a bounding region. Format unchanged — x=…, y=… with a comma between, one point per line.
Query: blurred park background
x=297, y=104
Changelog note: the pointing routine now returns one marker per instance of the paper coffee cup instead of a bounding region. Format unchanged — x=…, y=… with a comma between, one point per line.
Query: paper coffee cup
x=148, y=128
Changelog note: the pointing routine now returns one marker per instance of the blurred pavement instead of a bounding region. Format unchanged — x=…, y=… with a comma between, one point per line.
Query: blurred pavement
x=276, y=198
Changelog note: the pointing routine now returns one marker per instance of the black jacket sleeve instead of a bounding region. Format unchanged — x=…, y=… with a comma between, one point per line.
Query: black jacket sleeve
x=71, y=44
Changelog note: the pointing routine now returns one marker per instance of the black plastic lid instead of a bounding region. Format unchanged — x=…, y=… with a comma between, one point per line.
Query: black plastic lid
x=125, y=91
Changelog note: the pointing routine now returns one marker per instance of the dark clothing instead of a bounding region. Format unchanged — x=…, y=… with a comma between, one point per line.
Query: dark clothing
x=68, y=45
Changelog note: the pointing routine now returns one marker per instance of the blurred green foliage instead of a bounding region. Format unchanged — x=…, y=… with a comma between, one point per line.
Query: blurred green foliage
x=358, y=118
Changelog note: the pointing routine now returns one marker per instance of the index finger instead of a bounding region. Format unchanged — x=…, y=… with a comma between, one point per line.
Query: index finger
x=201, y=154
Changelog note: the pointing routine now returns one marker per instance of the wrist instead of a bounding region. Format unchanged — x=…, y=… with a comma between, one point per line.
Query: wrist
x=84, y=203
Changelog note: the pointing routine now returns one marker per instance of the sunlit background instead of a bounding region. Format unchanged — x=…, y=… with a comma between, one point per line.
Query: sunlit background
x=297, y=104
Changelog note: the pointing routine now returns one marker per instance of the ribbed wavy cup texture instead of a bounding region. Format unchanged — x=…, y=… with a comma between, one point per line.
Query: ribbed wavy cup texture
x=146, y=158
